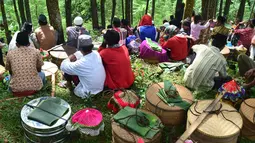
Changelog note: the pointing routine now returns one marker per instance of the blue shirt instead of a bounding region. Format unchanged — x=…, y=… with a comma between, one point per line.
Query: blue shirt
x=147, y=32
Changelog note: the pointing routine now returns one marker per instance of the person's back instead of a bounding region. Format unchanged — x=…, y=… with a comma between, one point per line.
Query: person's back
x=201, y=73
x=73, y=33
x=118, y=67
x=122, y=31
x=45, y=34
x=179, y=47
x=23, y=64
x=147, y=32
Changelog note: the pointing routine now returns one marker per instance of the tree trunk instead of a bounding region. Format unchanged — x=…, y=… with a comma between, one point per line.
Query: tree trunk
x=16, y=12
x=123, y=9
x=227, y=7
x=103, y=13
x=5, y=21
x=131, y=9
x=240, y=12
x=252, y=10
x=113, y=9
x=128, y=11
x=147, y=6
x=221, y=5
x=177, y=9
x=188, y=8
x=55, y=18
x=28, y=13
x=68, y=10
x=94, y=14
x=153, y=8
x=21, y=11
x=207, y=7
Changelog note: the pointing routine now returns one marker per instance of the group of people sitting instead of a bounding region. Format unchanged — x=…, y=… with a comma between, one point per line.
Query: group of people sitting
x=110, y=67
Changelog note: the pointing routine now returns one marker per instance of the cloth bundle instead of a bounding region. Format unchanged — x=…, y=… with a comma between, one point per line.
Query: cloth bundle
x=170, y=96
x=233, y=91
x=122, y=99
x=145, y=125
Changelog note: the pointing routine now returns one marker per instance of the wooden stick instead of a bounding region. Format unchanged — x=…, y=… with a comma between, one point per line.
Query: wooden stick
x=199, y=120
x=53, y=82
x=14, y=98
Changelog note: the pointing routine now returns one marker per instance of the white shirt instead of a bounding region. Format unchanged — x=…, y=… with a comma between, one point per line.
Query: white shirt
x=12, y=44
x=196, y=29
x=91, y=73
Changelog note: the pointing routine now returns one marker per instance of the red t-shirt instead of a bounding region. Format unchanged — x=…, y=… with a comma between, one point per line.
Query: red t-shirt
x=178, y=46
x=117, y=66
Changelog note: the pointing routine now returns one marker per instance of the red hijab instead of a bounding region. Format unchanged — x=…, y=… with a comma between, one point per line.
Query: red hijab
x=146, y=20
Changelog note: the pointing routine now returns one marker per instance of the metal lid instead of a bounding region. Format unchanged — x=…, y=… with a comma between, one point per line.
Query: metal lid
x=36, y=127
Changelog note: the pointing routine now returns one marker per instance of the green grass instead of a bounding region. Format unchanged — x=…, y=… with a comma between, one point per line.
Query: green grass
x=11, y=130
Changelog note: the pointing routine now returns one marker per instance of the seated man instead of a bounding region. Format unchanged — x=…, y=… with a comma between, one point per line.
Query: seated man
x=116, y=62
x=88, y=66
x=202, y=72
x=24, y=64
x=73, y=32
x=177, y=43
x=45, y=34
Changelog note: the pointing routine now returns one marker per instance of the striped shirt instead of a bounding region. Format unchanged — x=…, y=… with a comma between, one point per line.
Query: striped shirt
x=201, y=73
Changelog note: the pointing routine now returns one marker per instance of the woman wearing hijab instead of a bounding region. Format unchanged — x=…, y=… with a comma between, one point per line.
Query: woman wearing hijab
x=146, y=28
x=177, y=43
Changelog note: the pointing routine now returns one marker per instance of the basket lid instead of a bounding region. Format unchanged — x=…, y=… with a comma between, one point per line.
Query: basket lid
x=88, y=117
x=49, y=68
x=215, y=124
x=59, y=53
x=248, y=109
x=155, y=100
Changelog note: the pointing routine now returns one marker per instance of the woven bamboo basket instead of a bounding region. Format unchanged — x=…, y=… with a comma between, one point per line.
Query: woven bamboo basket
x=122, y=135
x=215, y=128
x=49, y=69
x=58, y=56
x=247, y=111
x=170, y=116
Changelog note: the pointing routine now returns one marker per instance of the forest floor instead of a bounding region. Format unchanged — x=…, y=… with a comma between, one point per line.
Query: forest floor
x=10, y=123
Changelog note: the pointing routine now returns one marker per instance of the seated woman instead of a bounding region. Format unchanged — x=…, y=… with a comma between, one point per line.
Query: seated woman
x=220, y=32
x=146, y=29
x=85, y=68
x=246, y=34
x=177, y=43
x=116, y=62
x=24, y=65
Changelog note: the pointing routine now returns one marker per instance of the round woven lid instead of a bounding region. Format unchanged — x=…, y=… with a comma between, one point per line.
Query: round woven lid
x=49, y=68
x=216, y=125
x=155, y=100
x=88, y=117
x=59, y=54
x=2, y=69
x=248, y=109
